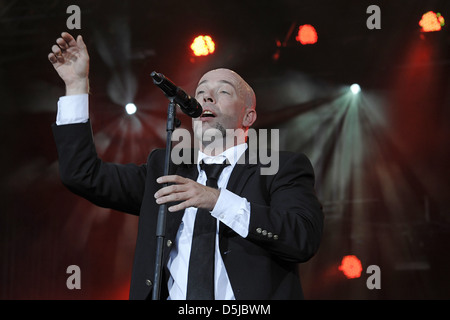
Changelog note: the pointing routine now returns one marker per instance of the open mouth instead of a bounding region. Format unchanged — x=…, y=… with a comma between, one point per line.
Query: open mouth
x=208, y=114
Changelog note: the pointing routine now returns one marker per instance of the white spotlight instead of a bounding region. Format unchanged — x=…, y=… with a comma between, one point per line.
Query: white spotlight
x=355, y=88
x=130, y=108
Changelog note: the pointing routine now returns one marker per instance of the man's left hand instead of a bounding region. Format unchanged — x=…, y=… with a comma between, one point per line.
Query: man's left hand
x=189, y=192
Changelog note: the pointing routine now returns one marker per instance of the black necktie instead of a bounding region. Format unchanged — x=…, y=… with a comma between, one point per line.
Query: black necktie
x=201, y=263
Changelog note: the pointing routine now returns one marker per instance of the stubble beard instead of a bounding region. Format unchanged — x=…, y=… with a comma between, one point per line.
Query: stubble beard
x=216, y=135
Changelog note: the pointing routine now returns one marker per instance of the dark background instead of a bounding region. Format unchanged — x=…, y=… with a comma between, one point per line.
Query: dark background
x=381, y=158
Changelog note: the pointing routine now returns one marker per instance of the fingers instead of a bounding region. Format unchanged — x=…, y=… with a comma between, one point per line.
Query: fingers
x=183, y=190
x=56, y=55
x=52, y=58
x=183, y=198
x=56, y=50
x=173, y=189
x=64, y=43
x=175, y=192
x=80, y=42
x=181, y=206
x=186, y=191
x=67, y=37
x=172, y=179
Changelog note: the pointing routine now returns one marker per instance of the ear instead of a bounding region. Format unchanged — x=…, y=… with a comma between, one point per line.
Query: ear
x=249, y=118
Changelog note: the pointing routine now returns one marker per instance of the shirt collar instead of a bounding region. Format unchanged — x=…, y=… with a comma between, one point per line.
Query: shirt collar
x=231, y=154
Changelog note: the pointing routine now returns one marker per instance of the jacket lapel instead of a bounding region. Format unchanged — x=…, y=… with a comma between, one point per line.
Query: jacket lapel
x=243, y=170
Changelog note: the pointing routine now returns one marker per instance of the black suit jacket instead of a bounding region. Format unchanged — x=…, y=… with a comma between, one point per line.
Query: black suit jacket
x=286, y=218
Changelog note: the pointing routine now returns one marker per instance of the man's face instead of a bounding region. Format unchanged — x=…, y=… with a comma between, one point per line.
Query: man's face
x=220, y=94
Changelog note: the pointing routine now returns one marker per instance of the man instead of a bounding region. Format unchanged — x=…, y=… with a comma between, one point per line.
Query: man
x=264, y=224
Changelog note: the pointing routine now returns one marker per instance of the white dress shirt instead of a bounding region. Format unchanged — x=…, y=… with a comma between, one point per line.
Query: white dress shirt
x=230, y=209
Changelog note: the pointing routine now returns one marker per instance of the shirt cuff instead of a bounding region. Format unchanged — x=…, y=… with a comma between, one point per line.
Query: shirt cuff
x=73, y=109
x=234, y=211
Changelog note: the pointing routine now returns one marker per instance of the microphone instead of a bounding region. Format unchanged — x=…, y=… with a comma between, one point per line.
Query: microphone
x=188, y=105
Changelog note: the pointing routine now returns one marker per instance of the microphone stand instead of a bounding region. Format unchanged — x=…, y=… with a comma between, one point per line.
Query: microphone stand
x=172, y=123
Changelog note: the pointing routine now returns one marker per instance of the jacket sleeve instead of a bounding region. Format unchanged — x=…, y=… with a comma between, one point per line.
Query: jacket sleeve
x=291, y=225
x=116, y=186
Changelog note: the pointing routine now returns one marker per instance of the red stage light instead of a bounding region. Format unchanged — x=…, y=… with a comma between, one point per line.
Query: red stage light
x=351, y=267
x=203, y=45
x=431, y=22
x=306, y=34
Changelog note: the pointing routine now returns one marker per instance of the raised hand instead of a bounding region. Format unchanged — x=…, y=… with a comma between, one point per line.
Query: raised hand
x=70, y=59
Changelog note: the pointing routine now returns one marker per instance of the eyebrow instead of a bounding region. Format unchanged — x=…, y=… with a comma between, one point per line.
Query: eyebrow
x=222, y=81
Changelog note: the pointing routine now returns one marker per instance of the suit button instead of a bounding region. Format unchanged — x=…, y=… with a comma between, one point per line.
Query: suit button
x=169, y=243
x=275, y=237
x=148, y=282
x=258, y=230
x=264, y=232
x=269, y=234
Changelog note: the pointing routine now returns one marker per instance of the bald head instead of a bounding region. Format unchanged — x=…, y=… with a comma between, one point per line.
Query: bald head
x=244, y=90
